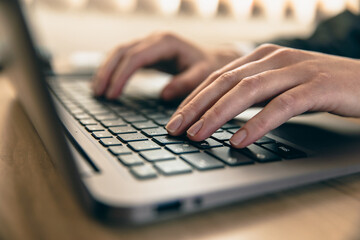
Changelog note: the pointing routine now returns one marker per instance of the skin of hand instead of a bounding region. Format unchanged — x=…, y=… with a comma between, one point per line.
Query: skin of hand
x=291, y=81
x=190, y=64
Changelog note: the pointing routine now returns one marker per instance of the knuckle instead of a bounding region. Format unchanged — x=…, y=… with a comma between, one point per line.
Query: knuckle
x=252, y=84
x=287, y=53
x=213, y=76
x=226, y=77
x=268, y=47
x=166, y=36
x=287, y=102
x=283, y=52
x=311, y=67
x=323, y=76
x=316, y=71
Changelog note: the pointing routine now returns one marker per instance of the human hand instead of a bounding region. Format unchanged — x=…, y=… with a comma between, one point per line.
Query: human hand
x=164, y=51
x=291, y=81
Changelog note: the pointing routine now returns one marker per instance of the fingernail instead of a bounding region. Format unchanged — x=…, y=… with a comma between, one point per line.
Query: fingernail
x=195, y=128
x=175, y=123
x=238, y=137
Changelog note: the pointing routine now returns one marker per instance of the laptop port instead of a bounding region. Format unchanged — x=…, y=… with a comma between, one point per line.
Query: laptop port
x=167, y=207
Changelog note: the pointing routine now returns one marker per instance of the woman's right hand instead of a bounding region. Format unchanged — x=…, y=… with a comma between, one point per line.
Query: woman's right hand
x=165, y=51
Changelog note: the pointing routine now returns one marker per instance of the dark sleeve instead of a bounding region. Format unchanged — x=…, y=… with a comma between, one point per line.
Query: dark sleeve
x=339, y=35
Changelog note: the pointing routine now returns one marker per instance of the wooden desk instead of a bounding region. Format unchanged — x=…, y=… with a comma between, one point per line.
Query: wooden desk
x=34, y=203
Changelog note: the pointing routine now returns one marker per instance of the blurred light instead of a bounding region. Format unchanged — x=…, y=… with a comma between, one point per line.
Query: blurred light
x=72, y=4
x=241, y=9
x=125, y=5
x=353, y=5
x=168, y=7
x=274, y=9
x=28, y=1
x=77, y=3
x=304, y=10
x=207, y=8
x=332, y=7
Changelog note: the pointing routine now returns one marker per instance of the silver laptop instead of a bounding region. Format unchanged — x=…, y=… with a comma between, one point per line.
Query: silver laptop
x=119, y=160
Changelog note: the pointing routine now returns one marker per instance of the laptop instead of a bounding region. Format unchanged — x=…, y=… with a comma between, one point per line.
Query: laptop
x=118, y=159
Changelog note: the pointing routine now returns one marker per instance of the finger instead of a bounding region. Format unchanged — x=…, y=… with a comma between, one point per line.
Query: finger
x=184, y=83
x=258, y=54
x=107, y=68
x=143, y=54
x=249, y=89
x=248, y=92
x=287, y=105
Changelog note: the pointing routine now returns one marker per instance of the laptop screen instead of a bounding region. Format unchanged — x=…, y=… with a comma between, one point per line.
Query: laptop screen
x=22, y=67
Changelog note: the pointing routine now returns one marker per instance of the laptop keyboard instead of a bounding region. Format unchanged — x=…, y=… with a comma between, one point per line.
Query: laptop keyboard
x=133, y=131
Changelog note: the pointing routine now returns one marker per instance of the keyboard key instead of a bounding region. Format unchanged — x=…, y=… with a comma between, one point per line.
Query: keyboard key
x=76, y=110
x=202, y=161
x=152, y=132
x=143, y=145
x=145, y=125
x=101, y=134
x=206, y=144
x=164, y=140
x=131, y=160
x=119, y=150
x=230, y=156
x=124, y=129
x=157, y=155
x=98, y=111
x=117, y=107
x=156, y=115
x=162, y=121
x=222, y=136
x=82, y=116
x=284, y=150
x=93, y=128
x=264, y=140
x=233, y=130
x=230, y=125
x=143, y=172
x=131, y=137
x=103, y=117
x=173, y=167
x=135, y=119
x=148, y=111
x=107, y=142
x=113, y=123
x=259, y=154
x=126, y=113
x=181, y=148
x=170, y=112
x=88, y=122
x=91, y=105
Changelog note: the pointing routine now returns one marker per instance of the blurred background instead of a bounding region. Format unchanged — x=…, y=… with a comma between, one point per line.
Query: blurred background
x=81, y=30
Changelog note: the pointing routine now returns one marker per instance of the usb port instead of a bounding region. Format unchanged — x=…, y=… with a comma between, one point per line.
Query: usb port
x=167, y=207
